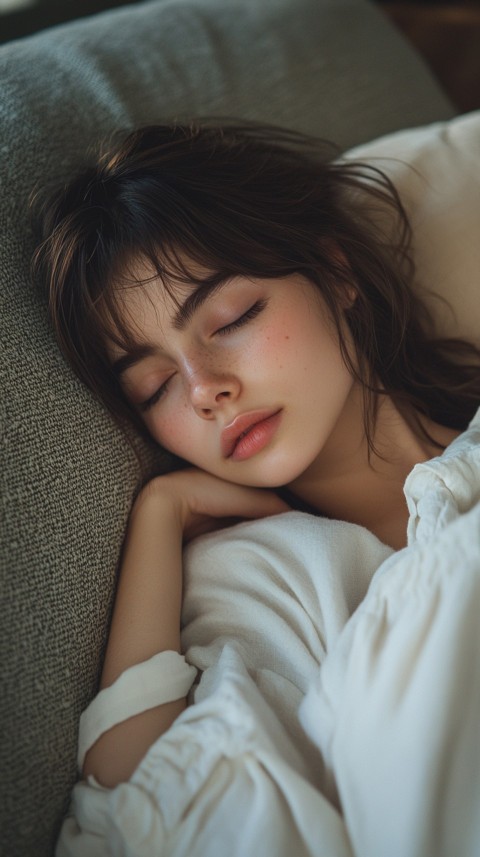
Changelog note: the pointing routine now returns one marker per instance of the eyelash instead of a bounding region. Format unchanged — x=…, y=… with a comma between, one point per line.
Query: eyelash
x=145, y=406
x=247, y=316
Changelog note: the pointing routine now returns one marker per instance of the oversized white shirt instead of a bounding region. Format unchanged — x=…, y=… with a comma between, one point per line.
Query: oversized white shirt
x=337, y=700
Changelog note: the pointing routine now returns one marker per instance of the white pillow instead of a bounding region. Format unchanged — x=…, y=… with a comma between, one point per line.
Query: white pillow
x=442, y=197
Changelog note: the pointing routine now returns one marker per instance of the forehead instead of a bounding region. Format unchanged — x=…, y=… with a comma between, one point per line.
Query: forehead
x=142, y=281
x=144, y=296
x=142, y=292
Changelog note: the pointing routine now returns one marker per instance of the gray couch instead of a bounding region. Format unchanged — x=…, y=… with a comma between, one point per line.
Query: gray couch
x=336, y=69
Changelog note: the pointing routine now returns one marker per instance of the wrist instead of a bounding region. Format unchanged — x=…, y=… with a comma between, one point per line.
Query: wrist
x=159, y=499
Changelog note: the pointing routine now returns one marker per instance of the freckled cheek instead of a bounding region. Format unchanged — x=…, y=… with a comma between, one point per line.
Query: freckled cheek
x=298, y=349
x=273, y=346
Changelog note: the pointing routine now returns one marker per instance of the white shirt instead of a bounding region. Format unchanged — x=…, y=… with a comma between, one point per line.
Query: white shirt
x=338, y=706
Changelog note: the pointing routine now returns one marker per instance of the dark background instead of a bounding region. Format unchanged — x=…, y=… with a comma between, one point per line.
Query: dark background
x=447, y=34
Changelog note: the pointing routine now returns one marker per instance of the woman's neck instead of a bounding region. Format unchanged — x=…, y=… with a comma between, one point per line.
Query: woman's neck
x=347, y=484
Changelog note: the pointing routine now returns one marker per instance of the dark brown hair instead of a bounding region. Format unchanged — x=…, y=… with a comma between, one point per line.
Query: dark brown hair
x=252, y=201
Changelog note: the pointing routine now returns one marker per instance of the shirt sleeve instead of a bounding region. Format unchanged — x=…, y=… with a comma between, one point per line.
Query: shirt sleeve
x=163, y=678
x=225, y=778
x=396, y=706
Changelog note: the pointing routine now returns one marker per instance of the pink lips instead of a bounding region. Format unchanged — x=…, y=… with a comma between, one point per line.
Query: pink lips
x=248, y=433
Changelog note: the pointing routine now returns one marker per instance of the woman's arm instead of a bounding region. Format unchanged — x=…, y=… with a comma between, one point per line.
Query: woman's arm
x=146, y=619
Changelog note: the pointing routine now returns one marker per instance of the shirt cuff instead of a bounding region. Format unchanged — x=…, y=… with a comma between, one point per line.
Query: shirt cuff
x=163, y=678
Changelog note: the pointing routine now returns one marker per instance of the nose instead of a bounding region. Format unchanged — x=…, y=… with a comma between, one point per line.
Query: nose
x=209, y=393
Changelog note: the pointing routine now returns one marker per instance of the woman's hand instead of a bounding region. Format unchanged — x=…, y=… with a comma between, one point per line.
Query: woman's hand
x=171, y=509
x=203, y=502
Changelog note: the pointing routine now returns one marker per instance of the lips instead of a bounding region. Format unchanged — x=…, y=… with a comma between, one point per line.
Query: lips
x=245, y=426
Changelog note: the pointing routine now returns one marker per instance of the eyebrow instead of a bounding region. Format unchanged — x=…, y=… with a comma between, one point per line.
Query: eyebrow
x=135, y=355
x=195, y=300
x=184, y=314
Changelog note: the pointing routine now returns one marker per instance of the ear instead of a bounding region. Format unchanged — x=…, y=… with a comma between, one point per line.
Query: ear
x=348, y=294
x=346, y=285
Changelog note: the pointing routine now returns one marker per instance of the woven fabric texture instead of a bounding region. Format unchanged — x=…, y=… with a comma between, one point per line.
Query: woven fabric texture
x=336, y=69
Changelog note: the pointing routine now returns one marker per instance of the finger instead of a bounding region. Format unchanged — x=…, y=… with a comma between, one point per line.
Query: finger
x=248, y=502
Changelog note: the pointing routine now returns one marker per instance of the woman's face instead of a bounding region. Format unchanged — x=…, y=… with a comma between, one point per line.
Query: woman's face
x=248, y=384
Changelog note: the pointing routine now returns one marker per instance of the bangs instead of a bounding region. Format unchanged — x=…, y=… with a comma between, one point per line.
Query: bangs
x=185, y=255
x=172, y=271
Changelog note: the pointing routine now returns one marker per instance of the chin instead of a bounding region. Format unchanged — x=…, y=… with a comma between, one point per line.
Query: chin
x=273, y=471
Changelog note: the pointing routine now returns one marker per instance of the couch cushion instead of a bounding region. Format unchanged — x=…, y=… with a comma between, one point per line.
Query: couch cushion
x=336, y=69
x=437, y=172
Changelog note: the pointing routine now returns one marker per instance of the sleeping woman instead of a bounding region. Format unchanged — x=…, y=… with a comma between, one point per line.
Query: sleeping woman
x=248, y=303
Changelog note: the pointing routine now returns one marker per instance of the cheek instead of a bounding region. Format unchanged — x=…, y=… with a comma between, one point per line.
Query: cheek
x=171, y=428
x=276, y=345
x=295, y=345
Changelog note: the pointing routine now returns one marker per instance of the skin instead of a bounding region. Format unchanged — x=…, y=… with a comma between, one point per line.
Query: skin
x=285, y=357
x=228, y=360
x=212, y=375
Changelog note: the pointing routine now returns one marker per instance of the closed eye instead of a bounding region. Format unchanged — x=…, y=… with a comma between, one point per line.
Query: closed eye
x=243, y=319
x=247, y=316
x=158, y=394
